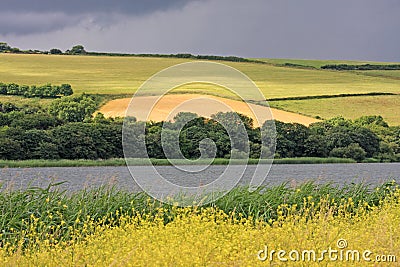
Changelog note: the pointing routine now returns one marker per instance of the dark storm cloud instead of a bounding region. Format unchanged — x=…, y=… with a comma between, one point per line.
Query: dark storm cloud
x=89, y=6
x=38, y=16
x=340, y=29
x=28, y=23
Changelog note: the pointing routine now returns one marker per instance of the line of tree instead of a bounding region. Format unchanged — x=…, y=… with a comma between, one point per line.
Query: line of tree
x=295, y=65
x=362, y=67
x=328, y=96
x=67, y=130
x=5, y=48
x=182, y=55
x=42, y=91
x=80, y=50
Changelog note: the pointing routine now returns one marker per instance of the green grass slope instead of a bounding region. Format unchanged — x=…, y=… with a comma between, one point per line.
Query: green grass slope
x=123, y=75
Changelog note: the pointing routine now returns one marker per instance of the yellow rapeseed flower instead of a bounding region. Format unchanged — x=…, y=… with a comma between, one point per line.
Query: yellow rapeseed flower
x=210, y=237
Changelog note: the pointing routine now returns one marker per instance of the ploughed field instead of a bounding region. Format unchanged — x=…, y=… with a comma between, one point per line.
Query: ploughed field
x=204, y=106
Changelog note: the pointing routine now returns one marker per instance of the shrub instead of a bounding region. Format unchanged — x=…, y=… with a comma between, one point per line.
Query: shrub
x=46, y=90
x=55, y=51
x=353, y=151
x=10, y=149
x=73, y=109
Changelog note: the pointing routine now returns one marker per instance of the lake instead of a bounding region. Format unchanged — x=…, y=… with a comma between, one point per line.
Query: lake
x=79, y=177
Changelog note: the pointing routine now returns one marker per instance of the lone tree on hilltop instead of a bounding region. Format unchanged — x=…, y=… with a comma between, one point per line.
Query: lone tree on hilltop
x=77, y=50
x=55, y=51
x=4, y=47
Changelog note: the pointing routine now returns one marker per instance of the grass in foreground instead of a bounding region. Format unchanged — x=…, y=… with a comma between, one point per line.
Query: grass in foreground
x=106, y=227
x=53, y=207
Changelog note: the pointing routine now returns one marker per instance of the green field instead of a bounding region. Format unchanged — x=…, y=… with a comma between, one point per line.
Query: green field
x=90, y=74
x=21, y=101
x=393, y=74
x=349, y=107
x=123, y=75
x=319, y=63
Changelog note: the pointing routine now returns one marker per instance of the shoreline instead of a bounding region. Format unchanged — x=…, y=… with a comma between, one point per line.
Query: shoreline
x=165, y=162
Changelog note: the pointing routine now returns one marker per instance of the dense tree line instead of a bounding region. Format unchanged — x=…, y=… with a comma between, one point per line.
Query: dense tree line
x=5, y=48
x=42, y=91
x=362, y=67
x=67, y=129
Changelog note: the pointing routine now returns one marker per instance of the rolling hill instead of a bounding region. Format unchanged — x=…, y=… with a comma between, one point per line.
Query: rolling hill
x=118, y=77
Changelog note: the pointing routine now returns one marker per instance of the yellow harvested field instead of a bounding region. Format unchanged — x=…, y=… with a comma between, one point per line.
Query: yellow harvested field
x=204, y=105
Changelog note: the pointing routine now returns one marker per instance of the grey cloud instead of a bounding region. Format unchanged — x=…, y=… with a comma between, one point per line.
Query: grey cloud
x=30, y=23
x=341, y=29
x=90, y=6
x=36, y=16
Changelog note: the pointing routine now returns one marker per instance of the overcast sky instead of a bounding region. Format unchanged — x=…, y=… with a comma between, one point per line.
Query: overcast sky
x=311, y=29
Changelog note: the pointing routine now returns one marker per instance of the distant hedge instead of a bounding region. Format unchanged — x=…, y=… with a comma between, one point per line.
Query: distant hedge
x=42, y=91
x=181, y=55
x=328, y=96
x=361, y=67
x=80, y=50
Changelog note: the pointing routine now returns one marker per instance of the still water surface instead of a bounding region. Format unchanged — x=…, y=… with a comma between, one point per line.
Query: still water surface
x=79, y=177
